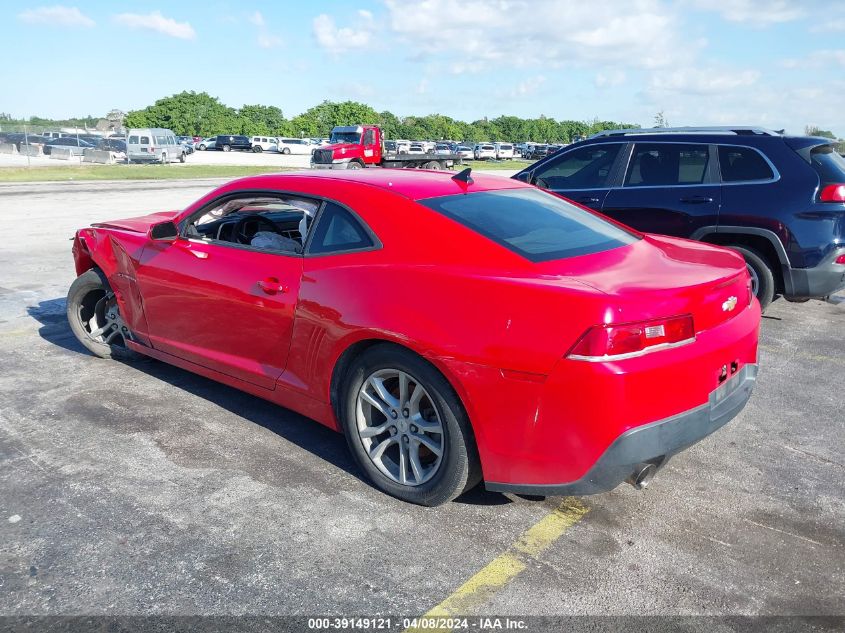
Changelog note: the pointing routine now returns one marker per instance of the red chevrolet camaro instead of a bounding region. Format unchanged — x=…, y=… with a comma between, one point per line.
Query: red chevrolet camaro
x=453, y=328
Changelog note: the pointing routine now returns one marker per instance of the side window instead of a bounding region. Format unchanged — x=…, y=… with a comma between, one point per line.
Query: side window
x=742, y=164
x=145, y=140
x=583, y=168
x=338, y=230
x=133, y=140
x=369, y=137
x=666, y=164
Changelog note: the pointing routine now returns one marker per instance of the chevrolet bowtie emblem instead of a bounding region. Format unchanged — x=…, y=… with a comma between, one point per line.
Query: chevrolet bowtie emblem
x=729, y=305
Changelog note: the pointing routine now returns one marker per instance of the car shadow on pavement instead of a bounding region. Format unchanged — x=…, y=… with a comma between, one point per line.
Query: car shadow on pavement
x=319, y=440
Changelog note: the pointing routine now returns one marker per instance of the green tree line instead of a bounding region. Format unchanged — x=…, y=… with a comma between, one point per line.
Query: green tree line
x=199, y=114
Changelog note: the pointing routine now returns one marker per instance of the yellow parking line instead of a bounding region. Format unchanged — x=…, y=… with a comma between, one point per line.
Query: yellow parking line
x=813, y=357
x=507, y=566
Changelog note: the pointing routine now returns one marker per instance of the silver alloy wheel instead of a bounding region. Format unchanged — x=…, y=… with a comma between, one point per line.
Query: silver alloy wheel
x=399, y=427
x=755, y=279
x=104, y=325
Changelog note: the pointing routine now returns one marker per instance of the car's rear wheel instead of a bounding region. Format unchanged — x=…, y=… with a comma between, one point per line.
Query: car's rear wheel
x=257, y=149
x=286, y=150
x=354, y=165
x=406, y=427
x=182, y=157
x=762, y=277
x=432, y=164
x=95, y=319
x=227, y=148
x=163, y=159
x=202, y=147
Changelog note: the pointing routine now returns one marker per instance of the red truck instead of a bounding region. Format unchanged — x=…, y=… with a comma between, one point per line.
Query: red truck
x=358, y=146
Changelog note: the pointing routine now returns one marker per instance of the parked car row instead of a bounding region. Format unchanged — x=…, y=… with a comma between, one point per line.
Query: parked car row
x=77, y=144
x=257, y=144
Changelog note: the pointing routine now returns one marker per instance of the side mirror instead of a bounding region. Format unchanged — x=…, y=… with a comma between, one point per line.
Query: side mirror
x=164, y=231
x=524, y=176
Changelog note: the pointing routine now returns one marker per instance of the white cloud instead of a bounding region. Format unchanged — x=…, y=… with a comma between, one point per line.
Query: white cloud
x=422, y=87
x=337, y=40
x=265, y=40
x=754, y=12
x=56, y=15
x=817, y=59
x=155, y=21
x=829, y=26
x=702, y=81
x=528, y=87
x=487, y=34
x=610, y=79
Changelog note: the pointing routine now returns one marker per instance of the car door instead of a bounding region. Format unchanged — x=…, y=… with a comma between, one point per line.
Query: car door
x=221, y=305
x=584, y=174
x=669, y=188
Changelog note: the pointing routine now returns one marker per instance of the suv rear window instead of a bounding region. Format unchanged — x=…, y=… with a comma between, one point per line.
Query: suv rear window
x=532, y=223
x=743, y=164
x=829, y=165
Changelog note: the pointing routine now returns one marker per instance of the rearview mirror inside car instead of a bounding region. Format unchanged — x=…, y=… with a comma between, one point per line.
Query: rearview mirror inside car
x=164, y=231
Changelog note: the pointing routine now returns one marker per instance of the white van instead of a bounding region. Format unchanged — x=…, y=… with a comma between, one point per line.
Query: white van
x=264, y=144
x=155, y=145
x=295, y=145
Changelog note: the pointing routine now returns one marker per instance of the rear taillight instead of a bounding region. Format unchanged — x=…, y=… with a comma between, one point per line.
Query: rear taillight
x=832, y=193
x=615, y=342
x=152, y=150
x=840, y=259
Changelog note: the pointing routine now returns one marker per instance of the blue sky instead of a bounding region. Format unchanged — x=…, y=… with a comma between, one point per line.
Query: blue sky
x=774, y=63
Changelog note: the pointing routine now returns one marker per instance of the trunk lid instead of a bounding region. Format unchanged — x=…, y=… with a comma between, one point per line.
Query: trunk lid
x=658, y=277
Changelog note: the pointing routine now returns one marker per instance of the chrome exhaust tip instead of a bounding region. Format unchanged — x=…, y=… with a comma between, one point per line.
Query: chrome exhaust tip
x=642, y=476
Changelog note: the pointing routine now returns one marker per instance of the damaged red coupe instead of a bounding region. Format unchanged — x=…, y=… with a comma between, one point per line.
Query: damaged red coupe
x=455, y=329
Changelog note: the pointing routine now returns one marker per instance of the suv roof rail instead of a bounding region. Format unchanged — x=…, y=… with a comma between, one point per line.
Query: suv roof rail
x=739, y=131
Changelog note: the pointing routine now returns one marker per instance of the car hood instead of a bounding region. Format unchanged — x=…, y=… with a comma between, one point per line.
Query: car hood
x=140, y=224
x=340, y=148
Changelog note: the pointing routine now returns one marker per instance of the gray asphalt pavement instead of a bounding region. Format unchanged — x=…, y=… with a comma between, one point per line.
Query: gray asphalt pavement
x=141, y=488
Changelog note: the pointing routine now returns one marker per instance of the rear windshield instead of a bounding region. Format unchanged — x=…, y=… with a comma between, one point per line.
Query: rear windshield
x=532, y=223
x=828, y=164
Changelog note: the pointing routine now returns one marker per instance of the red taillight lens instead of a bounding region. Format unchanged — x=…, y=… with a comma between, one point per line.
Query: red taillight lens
x=840, y=259
x=832, y=193
x=612, y=342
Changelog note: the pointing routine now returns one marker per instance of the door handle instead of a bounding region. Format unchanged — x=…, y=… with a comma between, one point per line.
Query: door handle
x=697, y=200
x=186, y=246
x=588, y=200
x=271, y=286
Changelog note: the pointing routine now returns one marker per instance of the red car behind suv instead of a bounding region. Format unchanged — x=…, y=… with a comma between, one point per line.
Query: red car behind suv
x=453, y=329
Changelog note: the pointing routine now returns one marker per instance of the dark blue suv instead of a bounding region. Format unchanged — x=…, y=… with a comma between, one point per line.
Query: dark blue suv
x=779, y=200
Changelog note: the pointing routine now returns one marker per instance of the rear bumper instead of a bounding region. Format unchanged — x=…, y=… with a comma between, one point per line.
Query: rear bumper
x=819, y=281
x=652, y=443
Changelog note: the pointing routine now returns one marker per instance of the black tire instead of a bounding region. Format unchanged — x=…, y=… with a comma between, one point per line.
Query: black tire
x=201, y=147
x=227, y=148
x=90, y=298
x=759, y=267
x=354, y=165
x=257, y=149
x=459, y=469
x=163, y=159
x=286, y=150
x=182, y=157
x=433, y=164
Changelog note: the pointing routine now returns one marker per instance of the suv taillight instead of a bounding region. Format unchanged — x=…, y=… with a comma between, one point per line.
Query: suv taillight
x=614, y=342
x=832, y=193
x=840, y=260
